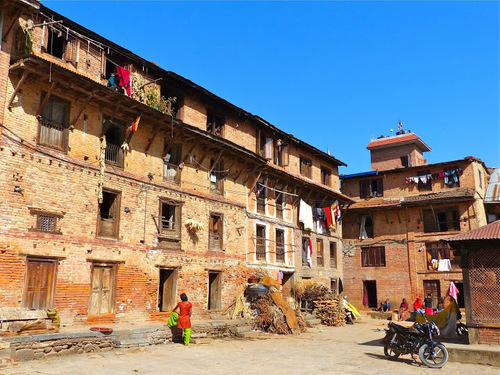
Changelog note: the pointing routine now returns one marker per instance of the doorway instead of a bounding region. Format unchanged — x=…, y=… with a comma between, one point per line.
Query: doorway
x=214, y=290
x=432, y=287
x=370, y=291
x=167, y=289
x=460, y=296
x=286, y=284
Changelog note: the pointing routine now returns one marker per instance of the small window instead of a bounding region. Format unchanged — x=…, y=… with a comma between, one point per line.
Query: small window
x=373, y=256
x=280, y=245
x=175, y=102
x=305, y=167
x=320, y=260
x=217, y=177
x=261, y=198
x=333, y=285
x=115, y=136
x=214, y=123
x=172, y=162
x=404, y=161
x=371, y=188
x=480, y=179
x=441, y=220
x=260, y=242
x=326, y=176
x=279, y=206
x=215, y=232
x=281, y=153
x=39, y=284
x=108, y=218
x=55, y=42
x=333, y=255
x=440, y=257
x=365, y=227
x=170, y=218
x=306, y=250
x=53, y=124
x=46, y=223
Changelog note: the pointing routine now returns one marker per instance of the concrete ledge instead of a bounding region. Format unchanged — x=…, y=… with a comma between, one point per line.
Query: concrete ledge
x=476, y=354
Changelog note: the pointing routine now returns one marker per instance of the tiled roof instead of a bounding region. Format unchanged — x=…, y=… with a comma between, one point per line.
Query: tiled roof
x=375, y=203
x=397, y=139
x=442, y=195
x=488, y=232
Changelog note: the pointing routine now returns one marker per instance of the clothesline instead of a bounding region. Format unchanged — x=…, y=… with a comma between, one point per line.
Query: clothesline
x=450, y=176
x=279, y=191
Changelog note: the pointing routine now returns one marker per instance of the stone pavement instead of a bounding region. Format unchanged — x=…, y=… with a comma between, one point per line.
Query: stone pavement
x=346, y=350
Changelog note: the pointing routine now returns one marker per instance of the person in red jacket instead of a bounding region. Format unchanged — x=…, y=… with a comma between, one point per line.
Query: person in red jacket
x=184, y=317
x=417, y=306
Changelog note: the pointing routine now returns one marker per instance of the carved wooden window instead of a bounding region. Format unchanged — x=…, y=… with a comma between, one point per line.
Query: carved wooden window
x=280, y=245
x=305, y=167
x=215, y=232
x=53, y=124
x=260, y=242
x=320, y=259
x=373, y=256
x=108, y=219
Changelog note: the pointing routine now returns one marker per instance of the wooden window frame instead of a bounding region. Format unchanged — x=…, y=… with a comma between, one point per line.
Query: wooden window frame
x=30, y=302
x=38, y=213
x=215, y=123
x=176, y=231
x=433, y=224
x=305, y=166
x=427, y=186
x=279, y=202
x=281, y=153
x=333, y=254
x=326, y=176
x=260, y=243
x=439, y=251
x=373, y=256
x=280, y=245
x=320, y=253
x=261, y=199
x=116, y=220
x=212, y=234
x=366, y=188
x=172, y=161
x=50, y=123
x=217, y=173
x=114, y=154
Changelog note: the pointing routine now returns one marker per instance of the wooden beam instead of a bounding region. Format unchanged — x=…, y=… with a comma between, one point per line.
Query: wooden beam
x=205, y=152
x=46, y=99
x=15, y=19
x=188, y=154
x=238, y=174
x=215, y=162
x=255, y=183
x=249, y=174
x=82, y=109
x=151, y=140
x=16, y=90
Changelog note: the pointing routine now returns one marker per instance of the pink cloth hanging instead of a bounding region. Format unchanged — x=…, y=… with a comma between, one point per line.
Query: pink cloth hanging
x=453, y=291
x=123, y=78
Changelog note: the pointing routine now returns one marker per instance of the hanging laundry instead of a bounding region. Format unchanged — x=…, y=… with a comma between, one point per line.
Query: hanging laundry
x=453, y=291
x=320, y=227
x=444, y=265
x=328, y=214
x=407, y=180
x=441, y=174
x=362, y=228
x=133, y=127
x=336, y=210
x=123, y=76
x=305, y=215
x=423, y=179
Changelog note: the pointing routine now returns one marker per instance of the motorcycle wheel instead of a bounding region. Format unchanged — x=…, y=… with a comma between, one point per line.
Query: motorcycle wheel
x=390, y=353
x=433, y=358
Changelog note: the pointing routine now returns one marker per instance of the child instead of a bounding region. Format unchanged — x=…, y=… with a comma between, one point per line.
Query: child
x=184, y=317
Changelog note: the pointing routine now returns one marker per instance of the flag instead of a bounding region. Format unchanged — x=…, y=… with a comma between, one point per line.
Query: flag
x=400, y=125
x=336, y=210
x=133, y=127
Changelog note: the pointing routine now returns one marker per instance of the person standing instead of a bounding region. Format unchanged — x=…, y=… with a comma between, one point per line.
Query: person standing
x=428, y=304
x=184, y=322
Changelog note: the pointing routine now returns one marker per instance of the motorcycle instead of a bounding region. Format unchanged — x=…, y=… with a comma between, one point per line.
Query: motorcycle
x=400, y=340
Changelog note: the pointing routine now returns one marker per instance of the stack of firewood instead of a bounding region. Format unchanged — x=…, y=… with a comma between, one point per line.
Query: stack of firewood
x=330, y=311
x=270, y=318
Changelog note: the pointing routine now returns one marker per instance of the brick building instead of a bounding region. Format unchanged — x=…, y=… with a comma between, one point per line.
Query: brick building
x=404, y=209
x=117, y=198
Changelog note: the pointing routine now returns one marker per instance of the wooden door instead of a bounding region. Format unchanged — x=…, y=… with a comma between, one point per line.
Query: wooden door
x=101, y=294
x=39, y=284
x=167, y=290
x=432, y=287
x=214, y=290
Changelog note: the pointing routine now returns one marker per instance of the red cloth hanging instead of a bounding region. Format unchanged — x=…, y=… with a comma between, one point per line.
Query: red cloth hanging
x=328, y=212
x=123, y=78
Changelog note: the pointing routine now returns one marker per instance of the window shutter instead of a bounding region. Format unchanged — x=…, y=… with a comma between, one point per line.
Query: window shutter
x=257, y=142
x=429, y=222
x=45, y=38
x=269, y=148
x=284, y=155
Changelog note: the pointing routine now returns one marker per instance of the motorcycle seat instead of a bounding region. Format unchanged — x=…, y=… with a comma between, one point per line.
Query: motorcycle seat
x=398, y=328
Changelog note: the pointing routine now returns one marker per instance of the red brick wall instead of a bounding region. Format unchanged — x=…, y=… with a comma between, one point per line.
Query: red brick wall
x=390, y=158
x=489, y=335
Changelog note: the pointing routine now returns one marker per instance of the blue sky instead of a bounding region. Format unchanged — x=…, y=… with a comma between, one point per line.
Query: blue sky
x=334, y=74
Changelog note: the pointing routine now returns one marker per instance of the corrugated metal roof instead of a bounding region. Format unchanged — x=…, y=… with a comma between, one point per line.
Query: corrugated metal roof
x=397, y=139
x=488, y=232
x=493, y=191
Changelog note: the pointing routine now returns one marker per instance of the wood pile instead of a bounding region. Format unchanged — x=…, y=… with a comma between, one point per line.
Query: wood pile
x=331, y=311
x=270, y=318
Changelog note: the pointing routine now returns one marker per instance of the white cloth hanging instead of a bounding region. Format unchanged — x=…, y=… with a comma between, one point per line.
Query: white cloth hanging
x=444, y=265
x=306, y=215
x=362, y=228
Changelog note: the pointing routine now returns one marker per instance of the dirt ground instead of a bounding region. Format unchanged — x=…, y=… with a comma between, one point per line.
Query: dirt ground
x=340, y=350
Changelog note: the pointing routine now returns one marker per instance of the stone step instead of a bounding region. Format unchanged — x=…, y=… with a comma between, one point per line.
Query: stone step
x=252, y=335
x=132, y=343
x=241, y=329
